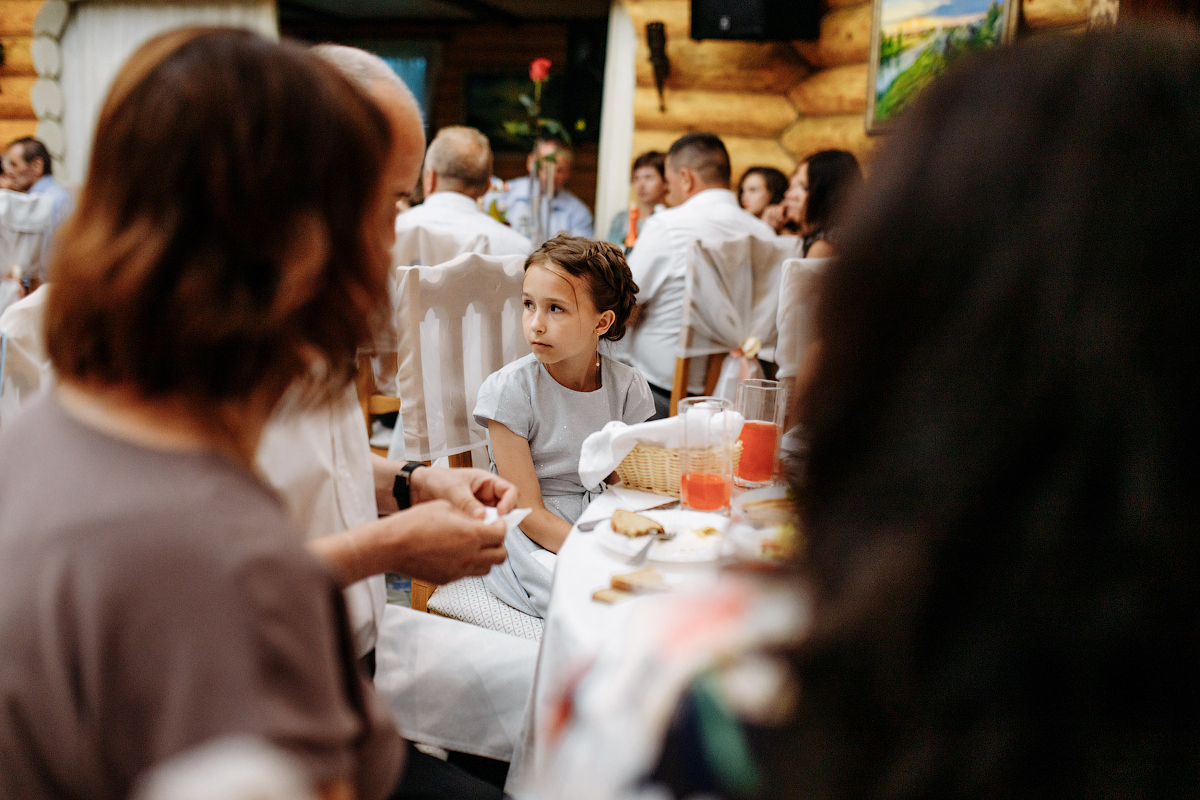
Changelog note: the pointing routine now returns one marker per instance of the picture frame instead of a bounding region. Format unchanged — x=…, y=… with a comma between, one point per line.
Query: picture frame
x=914, y=41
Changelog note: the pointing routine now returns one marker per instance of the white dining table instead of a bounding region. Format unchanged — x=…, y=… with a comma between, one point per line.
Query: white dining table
x=577, y=626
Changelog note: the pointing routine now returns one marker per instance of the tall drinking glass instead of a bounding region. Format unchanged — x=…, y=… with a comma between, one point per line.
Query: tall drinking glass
x=705, y=460
x=762, y=403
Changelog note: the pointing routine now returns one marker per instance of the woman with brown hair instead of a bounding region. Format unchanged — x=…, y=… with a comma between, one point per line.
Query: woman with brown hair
x=230, y=247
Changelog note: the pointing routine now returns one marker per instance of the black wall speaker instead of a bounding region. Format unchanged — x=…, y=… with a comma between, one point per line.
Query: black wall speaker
x=756, y=20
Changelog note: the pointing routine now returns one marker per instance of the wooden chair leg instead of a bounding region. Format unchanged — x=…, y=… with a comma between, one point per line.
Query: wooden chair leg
x=421, y=592
x=713, y=374
x=459, y=460
x=679, y=385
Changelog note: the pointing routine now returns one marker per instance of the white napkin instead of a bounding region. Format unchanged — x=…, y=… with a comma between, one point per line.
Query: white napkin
x=606, y=448
x=511, y=520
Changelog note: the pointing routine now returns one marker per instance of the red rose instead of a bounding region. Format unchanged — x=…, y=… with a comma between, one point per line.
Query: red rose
x=539, y=69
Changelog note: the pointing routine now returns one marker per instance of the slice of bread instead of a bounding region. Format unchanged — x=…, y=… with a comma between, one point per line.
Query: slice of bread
x=610, y=596
x=644, y=580
x=633, y=525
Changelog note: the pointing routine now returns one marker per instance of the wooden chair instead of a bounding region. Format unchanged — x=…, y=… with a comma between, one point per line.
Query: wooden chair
x=456, y=323
x=731, y=296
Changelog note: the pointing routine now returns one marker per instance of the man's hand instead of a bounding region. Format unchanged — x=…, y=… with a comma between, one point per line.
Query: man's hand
x=433, y=541
x=468, y=490
x=775, y=216
x=436, y=542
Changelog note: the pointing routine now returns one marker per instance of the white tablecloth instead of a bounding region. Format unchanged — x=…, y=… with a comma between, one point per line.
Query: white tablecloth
x=577, y=626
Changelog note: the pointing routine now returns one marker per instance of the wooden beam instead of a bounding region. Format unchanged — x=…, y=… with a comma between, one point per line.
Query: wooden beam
x=1055, y=13
x=18, y=54
x=845, y=38
x=14, y=98
x=16, y=17
x=838, y=90
x=840, y=132
x=13, y=129
x=737, y=113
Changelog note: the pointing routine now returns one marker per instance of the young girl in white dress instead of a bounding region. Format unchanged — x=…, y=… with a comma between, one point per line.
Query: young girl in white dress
x=540, y=408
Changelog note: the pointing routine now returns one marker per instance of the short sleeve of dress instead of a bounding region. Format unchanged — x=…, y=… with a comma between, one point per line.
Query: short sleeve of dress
x=639, y=403
x=505, y=398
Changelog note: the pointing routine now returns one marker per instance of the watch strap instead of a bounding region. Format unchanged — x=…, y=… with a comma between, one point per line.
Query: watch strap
x=402, y=486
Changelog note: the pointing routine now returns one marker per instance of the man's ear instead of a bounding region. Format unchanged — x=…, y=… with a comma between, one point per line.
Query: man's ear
x=607, y=318
x=428, y=181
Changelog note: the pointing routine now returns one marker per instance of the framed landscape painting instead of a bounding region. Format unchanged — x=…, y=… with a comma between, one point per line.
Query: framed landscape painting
x=914, y=41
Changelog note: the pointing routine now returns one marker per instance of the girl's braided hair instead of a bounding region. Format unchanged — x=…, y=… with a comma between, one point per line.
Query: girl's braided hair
x=604, y=266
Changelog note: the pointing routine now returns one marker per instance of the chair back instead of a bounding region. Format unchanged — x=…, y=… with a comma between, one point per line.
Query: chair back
x=731, y=295
x=24, y=362
x=456, y=324
x=26, y=222
x=794, y=320
x=414, y=247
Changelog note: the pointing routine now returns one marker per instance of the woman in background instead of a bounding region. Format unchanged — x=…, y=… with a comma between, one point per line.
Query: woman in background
x=1000, y=595
x=650, y=191
x=761, y=188
x=819, y=188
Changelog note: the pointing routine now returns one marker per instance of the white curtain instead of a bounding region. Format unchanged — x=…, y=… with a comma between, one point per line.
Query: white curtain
x=616, y=118
x=100, y=36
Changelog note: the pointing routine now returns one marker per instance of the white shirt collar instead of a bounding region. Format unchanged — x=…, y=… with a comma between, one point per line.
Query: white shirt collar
x=711, y=197
x=452, y=200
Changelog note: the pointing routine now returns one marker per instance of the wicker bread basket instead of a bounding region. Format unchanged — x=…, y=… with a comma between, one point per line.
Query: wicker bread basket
x=656, y=469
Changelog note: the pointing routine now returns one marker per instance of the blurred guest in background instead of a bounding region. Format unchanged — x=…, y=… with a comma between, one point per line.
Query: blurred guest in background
x=458, y=165
x=760, y=188
x=650, y=190
x=29, y=168
x=1003, y=560
x=567, y=213
x=697, y=172
x=818, y=189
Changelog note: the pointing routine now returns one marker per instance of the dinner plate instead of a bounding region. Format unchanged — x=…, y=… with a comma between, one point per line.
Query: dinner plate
x=688, y=547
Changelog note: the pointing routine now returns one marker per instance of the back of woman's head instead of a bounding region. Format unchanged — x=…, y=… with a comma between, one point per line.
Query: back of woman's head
x=832, y=176
x=220, y=245
x=1004, y=517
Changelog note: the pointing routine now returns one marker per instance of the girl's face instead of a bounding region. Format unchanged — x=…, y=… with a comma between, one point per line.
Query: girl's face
x=648, y=186
x=560, y=321
x=755, y=196
x=795, y=201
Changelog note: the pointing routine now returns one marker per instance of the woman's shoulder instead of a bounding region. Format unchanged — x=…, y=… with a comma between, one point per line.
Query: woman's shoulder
x=624, y=375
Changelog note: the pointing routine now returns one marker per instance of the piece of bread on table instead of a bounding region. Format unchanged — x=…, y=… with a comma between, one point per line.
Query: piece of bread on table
x=633, y=525
x=644, y=580
x=610, y=596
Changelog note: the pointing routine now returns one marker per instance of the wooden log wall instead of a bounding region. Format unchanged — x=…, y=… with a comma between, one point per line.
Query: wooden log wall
x=774, y=104
x=17, y=75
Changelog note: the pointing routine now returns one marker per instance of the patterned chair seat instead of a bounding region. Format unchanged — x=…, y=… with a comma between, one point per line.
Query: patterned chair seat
x=468, y=600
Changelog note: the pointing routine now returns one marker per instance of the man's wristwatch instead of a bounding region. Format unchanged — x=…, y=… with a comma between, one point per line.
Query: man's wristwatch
x=402, y=487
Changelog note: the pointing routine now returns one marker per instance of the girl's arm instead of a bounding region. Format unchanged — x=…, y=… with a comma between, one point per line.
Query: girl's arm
x=515, y=463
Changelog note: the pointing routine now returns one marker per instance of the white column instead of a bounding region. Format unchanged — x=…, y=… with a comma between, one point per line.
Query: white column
x=100, y=37
x=616, y=118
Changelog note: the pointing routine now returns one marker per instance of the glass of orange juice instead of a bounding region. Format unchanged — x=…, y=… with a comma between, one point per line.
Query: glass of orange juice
x=705, y=460
x=762, y=404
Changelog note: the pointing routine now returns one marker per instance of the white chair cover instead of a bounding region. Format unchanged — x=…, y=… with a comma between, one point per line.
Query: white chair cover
x=454, y=685
x=732, y=295
x=26, y=363
x=25, y=224
x=794, y=320
x=415, y=247
x=456, y=324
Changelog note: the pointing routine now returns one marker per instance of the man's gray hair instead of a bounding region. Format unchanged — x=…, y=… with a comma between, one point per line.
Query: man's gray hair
x=361, y=68
x=461, y=154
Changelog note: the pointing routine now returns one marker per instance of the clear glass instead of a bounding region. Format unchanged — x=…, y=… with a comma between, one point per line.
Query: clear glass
x=763, y=404
x=706, y=458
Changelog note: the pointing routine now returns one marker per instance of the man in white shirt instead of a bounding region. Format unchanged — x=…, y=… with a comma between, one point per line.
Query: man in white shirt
x=567, y=212
x=458, y=165
x=703, y=208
